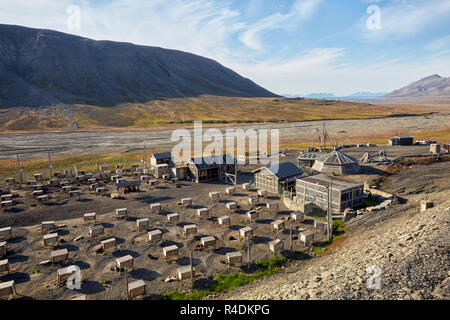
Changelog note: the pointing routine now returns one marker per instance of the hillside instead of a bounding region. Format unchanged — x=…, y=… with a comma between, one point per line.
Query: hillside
x=44, y=68
x=410, y=248
x=431, y=86
x=176, y=112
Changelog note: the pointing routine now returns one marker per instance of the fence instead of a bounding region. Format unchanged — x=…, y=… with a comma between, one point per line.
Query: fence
x=21, y=171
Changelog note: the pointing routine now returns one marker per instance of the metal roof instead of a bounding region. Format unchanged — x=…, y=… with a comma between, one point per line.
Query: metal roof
x=309, y=156
x=212, y=161
x=162, y=155
x=337, y=158
x=284, y=170
x=338, y=183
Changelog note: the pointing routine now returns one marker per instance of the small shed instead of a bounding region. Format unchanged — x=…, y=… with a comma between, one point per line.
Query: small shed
x=245, y=232
x=170, y=251
x=224, y=220
x=5, y=233
x=121, y=213
x=142, y=223
x=155, y=207
x=161, y=170
x=136, y=288
x=90, y=216
x=124, y=262
x=96, y=230
x=234, y=258
x=8, y=288
x=208, y=241
x=172, y=217
x=51, y=239
x=109, y=244
x=203, y=212
x=189, y=229
x=155, y=235
x=306, y=237
x=59, y=255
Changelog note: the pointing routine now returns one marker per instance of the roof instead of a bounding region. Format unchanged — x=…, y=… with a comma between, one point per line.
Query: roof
x=128, y=183
x=162, y=155
x=337, y=158
x=283, y=170
x=309, y=156
x=212, y=161
x=338, y=183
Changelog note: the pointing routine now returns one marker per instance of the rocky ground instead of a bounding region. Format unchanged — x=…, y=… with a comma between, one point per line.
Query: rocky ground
x=410, y=249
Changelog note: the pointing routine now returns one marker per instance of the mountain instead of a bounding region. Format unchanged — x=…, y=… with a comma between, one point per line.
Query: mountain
x=367, y=94
x=431, y=86
x=320, y=96
x=41, y=67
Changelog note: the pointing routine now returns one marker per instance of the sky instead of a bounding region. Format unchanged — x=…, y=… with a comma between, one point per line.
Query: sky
x=286, y=46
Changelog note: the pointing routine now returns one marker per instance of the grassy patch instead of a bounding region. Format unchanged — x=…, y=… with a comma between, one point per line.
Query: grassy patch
x=338, y=231
x=225, y=282
x=105, y=282
x=38, y=271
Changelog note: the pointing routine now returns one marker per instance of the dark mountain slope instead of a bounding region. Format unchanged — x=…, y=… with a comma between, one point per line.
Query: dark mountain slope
x=45, y=67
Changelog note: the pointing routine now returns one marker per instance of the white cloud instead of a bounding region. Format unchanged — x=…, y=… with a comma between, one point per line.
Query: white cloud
x=211, y=28
x=326, y=70
x=301, y=11
x=406, y=18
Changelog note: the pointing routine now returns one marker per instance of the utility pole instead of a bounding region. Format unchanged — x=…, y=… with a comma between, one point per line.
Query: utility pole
x=290, y=237
x=20, y=170
x=330, y=211
x=50, y=168
x=145, y=155
x=235, y=171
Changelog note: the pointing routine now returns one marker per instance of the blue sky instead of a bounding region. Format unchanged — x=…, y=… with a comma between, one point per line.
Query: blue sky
x=287, y=46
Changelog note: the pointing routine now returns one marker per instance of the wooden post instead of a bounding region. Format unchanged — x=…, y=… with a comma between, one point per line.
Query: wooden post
x=20, y=170
x=192, y=270
x=290, y=237
x=248, y=255
x=126, y=282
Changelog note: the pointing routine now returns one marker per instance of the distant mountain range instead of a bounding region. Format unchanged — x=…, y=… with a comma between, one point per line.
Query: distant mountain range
x=431, y=86
x=332, y=96
x=41, y=68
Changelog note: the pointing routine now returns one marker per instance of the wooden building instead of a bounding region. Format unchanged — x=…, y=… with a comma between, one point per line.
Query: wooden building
x=307, y=159
x=345, y=193
x=401, y=141
x=211, y=168
x=277, y=178
x=160, y=158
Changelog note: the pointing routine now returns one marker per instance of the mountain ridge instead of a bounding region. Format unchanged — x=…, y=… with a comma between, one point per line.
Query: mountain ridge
x=430, y=86
x=41, y=67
